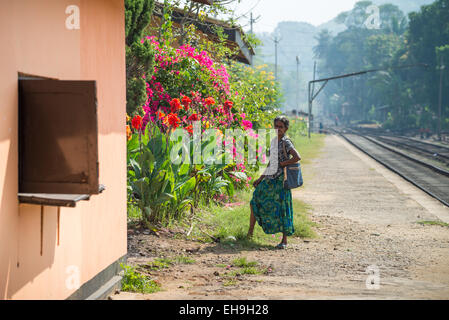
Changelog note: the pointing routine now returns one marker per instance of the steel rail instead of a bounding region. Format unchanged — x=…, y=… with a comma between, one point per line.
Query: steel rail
x=409, y=179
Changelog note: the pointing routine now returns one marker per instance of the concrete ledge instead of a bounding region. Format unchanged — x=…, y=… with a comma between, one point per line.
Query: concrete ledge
x=101, y=285
x=104, y=291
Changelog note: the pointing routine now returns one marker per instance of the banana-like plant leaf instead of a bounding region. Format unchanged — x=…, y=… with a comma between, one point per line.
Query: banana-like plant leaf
x=188, y=186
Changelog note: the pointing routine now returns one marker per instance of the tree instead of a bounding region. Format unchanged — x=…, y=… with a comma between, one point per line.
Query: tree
x=139, y=56
x=137, y=17
x=324, y=39
x=426, y=38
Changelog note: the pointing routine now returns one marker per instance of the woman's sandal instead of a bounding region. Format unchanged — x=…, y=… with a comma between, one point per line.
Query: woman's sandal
x=281, y=246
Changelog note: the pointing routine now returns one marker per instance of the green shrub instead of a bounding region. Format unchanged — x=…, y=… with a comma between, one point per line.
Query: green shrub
x=134, y=281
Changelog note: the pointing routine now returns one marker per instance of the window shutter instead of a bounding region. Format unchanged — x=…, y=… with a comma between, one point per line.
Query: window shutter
x=58, y=137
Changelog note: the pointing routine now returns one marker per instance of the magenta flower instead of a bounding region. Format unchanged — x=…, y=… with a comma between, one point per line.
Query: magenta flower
x=247, y=124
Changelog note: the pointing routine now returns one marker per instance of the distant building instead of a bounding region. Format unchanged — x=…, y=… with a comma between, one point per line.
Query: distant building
x=299, y=114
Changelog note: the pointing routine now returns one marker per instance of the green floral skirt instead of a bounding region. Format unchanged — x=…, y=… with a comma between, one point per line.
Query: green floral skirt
x=272, y=206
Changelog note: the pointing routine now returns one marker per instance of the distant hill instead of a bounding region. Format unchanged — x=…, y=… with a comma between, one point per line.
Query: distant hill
x=406, y=6
x=298, y=39
x=337, y=24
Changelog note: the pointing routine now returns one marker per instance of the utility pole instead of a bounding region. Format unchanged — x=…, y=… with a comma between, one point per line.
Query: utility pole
x=276, y=42
x=252, y=21
x=440, y=98
x=297, y=82
x=311, y=98
x=314, y=77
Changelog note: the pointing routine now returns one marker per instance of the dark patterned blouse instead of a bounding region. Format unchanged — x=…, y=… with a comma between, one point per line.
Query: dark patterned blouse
x=285, y=141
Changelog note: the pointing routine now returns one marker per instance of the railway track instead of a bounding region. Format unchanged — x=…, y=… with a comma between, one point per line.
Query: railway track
x=425, y=149
x=432, y=180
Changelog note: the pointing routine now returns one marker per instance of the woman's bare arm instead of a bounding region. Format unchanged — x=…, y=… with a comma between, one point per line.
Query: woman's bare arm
x=293, y=160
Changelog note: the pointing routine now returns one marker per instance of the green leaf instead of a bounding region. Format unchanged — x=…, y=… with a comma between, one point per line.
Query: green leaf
x=133, y=144
x=183, y=169
x=188, y=186
x=135, y=167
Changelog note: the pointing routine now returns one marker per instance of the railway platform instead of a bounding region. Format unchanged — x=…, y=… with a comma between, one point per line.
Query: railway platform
x=346, y=182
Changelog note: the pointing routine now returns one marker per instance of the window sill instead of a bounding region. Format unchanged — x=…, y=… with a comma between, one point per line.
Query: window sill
x=53, y=199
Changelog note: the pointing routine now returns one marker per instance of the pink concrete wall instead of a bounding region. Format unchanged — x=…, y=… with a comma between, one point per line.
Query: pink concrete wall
x=35, y=41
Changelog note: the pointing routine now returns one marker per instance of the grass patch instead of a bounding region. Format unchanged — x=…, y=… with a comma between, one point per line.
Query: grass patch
x=245, y=270
x=160, y=263
x=230, y=282
x=308, y=148
x=184, y=260
x=133, y=281
x=223, y=222
x=301, y=220
x=242, y=262
x=241, y=267
x=434, y=223
x=134, y=214
x=250, y=270
x=165, y=263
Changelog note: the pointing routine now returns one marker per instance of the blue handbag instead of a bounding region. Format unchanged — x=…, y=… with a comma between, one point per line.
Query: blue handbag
x=292, y=175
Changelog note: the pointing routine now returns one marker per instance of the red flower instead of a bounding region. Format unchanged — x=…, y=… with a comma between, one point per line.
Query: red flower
x=172, y=120
x=189, y=129
x=160, y=115
x=186, y=102
x=228, y=104
x=137, y=122
x=175, y=105
x=194, y=117
x=129, y=134
x=209, y=101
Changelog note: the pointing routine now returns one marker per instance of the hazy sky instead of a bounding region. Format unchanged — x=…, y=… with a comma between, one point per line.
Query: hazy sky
x=315, y=12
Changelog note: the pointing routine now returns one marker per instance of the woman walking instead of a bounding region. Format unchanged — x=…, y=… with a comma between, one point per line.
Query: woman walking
x=271, y=205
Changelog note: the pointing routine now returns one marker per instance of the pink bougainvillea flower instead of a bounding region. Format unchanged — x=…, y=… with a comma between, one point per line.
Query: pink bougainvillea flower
x=247, y=124
x=213, y=75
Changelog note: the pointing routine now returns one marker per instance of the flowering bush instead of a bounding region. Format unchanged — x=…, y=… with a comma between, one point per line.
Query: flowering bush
x=171, y=88
x=188, y=86
x=255, y=93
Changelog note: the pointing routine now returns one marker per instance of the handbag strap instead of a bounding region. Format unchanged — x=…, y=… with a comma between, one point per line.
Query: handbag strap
x=285, y=168
x=285, y=152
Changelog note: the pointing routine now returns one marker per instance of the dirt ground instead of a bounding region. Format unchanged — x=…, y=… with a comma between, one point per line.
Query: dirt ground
x=367, y=219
